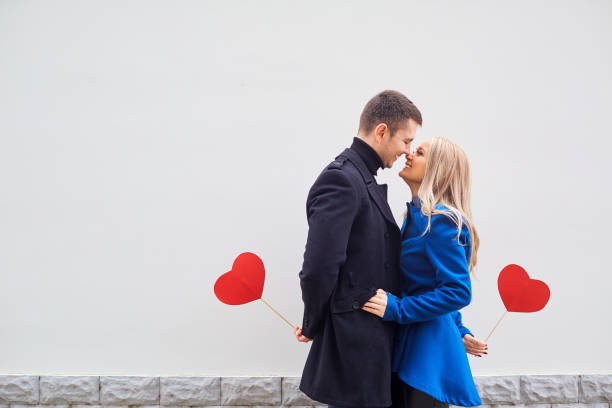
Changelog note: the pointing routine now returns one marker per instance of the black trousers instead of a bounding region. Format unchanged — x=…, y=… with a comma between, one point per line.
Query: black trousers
x=405, y=396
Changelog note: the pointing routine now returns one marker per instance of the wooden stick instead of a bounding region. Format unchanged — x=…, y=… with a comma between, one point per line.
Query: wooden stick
x=279, y=315
x=497, y=324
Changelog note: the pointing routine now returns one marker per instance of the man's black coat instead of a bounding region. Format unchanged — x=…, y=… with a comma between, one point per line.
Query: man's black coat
x=352, y=249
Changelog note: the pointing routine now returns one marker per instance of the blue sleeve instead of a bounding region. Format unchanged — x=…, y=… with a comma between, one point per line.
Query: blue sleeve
x=453, y=289
x=462, y=329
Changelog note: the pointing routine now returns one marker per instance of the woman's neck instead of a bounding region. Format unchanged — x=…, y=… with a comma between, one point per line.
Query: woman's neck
x=414, y=188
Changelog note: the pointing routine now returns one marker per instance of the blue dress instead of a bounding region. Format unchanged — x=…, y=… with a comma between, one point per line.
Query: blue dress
x=429, y=354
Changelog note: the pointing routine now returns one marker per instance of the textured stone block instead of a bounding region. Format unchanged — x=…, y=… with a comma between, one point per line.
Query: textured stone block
x=251, y=391
x=184, y=406
x=129, y=390
x=191, y=391
x=99, y=406
x=40, y=406
x=292, y=395
x=596, y=405
x=521, y=406
x=69, y=390
x=268, y=406
x=498, y=389
x=554, y=389
x=258, y=406
x=18, y=389
x=595, y=388
x=298, y=406
x=480, y=406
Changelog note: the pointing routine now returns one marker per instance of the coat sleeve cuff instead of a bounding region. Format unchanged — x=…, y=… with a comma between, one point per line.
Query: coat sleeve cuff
x=392, y=309
x=308, y=332
x=464, y=330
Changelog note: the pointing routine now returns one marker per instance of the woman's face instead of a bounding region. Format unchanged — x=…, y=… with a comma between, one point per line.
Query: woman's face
x=416, y=163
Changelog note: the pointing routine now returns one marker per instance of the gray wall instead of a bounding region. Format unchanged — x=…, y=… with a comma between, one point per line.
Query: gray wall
x=145, y=144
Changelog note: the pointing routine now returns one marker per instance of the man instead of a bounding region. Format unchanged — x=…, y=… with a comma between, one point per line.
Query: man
x=353, y=249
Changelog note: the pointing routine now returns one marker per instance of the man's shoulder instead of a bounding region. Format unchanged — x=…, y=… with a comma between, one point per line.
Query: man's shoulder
x=337, y=174
x=338, y=163
x=342, y=167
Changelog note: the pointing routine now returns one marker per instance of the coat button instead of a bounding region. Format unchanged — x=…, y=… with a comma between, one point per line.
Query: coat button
x=355, y=305
x=387, y=265
x=387, y=235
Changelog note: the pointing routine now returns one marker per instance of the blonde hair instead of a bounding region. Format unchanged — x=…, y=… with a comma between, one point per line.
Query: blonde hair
x=447, y=182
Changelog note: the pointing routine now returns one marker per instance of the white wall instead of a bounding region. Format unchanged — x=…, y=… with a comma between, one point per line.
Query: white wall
x=144, y=144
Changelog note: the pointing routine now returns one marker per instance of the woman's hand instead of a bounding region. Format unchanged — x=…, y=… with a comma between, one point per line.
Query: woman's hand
x=474, y=346
x=297, y=330
x=377, y=303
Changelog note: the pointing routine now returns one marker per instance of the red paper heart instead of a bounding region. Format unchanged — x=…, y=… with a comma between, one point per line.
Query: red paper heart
x=244, y=283
x=520, y=293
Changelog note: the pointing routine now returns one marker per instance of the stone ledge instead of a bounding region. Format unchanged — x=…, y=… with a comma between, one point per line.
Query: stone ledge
x=595, y=388
x=554, y=389
x=597, y=405
x=190, y=391
x=129, y=390
x=292, y=395
x=498, y=389
x=28, y=391
x=264, y=391
x=69, y=390
x=19, y=389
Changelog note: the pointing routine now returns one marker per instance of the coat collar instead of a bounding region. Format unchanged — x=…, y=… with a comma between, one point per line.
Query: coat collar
x=371, y=159
x=376, y=191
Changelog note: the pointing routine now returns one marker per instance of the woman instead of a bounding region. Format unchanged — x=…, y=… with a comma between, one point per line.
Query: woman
x=439, y=247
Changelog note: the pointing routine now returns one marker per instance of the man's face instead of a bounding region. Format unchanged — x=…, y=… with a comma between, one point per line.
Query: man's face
x=392, y=147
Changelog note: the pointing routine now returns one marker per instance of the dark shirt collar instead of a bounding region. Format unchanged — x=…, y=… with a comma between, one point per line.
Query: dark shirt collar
x=416, y=201
x=369, y=156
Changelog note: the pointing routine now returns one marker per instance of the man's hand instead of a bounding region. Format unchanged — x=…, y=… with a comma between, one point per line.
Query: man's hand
x=377, y=303
x=297, y=330
x=474, y=346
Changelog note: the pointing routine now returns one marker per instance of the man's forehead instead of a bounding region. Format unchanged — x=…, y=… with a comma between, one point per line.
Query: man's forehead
x=409, y=128
x=408, y=135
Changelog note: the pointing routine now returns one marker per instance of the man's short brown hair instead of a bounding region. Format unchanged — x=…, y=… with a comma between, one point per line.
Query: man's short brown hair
x=391, y=108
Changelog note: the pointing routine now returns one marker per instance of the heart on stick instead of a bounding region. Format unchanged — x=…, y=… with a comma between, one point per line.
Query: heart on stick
x=244, y=283
x=521, y=293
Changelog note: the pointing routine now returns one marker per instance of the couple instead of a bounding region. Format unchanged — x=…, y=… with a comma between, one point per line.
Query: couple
x=381, y=304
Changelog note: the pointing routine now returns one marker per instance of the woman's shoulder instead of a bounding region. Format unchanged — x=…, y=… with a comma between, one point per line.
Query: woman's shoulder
x=446, y=221
x=439, y=209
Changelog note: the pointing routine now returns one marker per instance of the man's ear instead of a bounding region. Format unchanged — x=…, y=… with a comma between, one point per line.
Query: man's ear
x=379, y=132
